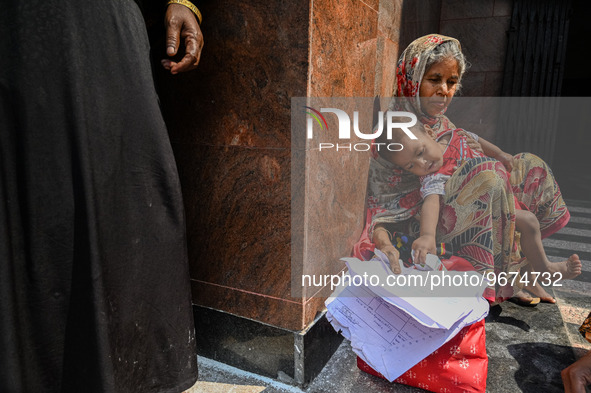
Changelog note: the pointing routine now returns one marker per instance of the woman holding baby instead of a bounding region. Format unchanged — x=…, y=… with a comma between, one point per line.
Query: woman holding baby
x=477, y=212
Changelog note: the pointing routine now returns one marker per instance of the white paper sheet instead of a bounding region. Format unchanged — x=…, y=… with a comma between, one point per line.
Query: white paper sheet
x=391, y=333
x=433, y=305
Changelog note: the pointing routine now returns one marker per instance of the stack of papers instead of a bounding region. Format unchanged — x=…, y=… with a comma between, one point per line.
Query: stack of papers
x=392, y=328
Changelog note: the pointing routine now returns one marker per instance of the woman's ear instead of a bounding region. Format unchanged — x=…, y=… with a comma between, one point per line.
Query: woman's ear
x=430, y=131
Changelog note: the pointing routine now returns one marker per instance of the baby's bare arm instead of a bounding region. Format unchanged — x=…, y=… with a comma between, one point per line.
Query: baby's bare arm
x=429, y=216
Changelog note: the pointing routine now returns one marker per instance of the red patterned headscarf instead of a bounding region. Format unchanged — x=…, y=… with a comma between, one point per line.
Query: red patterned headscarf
x=410, y=70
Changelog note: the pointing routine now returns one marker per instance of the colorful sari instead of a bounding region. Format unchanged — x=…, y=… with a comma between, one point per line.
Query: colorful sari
x=477, y=213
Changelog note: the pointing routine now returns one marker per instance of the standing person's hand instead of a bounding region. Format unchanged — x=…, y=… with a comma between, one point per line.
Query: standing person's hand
x=578, y=375
x=181, y=24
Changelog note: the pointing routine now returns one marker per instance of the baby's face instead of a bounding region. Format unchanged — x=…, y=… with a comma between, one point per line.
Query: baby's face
x=419, y=156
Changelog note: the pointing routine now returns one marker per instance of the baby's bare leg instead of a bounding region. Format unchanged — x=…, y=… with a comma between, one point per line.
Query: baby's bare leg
x=531, y=245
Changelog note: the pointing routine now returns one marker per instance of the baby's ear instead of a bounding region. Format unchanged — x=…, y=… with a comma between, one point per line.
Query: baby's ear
x=430, y=131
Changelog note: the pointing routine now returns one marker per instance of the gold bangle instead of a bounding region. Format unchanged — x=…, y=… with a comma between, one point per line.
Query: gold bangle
x=190, y=6
x=383, y=229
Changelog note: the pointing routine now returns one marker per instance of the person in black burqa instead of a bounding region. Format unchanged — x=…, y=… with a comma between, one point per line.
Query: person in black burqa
x=94, y=283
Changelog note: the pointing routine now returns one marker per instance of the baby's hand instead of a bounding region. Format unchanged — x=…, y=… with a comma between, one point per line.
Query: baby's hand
x=507, y=160
x=423, y=246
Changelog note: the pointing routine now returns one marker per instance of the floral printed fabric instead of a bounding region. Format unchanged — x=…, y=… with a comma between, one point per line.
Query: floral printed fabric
x=478, y=217
x=477, y=212
x=536, y=190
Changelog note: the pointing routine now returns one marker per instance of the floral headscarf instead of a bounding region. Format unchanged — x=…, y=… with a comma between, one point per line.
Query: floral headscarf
x=409, y=74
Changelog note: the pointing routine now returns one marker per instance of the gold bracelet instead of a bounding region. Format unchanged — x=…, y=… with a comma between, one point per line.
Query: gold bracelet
x=383, y=229
x=190, y=6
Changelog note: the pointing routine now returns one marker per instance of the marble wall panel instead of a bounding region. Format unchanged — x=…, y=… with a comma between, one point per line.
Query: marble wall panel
x=251, y=66
x=335, y=187
x=373, y=4
x=284, y=313
x=342, y=49
x=238, y=216
x=343, y=52
x=335, y=207
x=386, y=66
x=229, y=123
x=389, y=19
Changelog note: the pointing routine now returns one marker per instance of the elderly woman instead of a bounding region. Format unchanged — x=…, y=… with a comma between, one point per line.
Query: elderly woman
x=478, y=210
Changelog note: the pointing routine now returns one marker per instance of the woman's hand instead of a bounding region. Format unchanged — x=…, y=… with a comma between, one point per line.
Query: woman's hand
x=393, y=256
x=507, y=160
x=382, y=238
x=472, y=143
x=422, y=246
x=181, y=24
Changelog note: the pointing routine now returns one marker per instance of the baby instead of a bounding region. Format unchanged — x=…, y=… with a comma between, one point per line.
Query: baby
x=434, y=161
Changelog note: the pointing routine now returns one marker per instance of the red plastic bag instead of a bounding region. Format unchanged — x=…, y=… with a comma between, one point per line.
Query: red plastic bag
x=460, y=365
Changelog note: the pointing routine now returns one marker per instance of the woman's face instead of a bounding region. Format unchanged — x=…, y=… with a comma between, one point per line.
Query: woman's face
x=438, y=86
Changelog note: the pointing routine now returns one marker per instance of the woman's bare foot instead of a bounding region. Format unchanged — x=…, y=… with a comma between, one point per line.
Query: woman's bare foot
x=523, y=298
x=568, y=269
x=539, y=291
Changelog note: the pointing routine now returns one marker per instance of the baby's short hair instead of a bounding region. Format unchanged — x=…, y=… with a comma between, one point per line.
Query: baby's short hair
x=398, y=134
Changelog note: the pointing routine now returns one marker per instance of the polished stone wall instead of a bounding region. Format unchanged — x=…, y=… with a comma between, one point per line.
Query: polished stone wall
x=230, y=127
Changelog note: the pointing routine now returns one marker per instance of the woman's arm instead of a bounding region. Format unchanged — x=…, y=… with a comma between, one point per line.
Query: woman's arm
x=382, y=238
x=495, y=152
x=429, y=218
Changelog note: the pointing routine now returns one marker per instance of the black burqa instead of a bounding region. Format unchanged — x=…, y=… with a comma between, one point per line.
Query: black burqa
x=94, y=285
